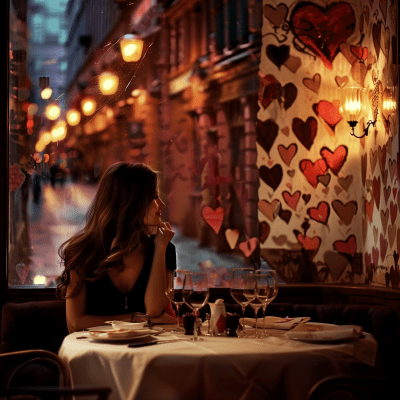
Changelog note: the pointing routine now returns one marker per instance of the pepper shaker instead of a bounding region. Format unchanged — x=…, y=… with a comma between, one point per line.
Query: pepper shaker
x=208, y=318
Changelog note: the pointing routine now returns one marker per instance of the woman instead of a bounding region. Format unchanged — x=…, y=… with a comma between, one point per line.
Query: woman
x=117, y=264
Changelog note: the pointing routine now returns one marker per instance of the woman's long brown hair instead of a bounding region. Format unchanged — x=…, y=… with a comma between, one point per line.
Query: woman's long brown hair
x=114, y=225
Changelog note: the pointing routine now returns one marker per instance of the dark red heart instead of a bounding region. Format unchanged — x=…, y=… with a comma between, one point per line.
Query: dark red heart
x=376, y=190
x=323, y=30
x=305, y=131
x=321, y=213
x=271, y=176
x=383, y=245
x=376, y=36
x=267, y=132
x=264, y=230
x=290, y=94
x=306, y=198
x=328, y=112
x=375, y=256
x=348, y=247
x=312, y=170
x=278, y=54
x=336, y=159
x=285, y=215
x=270, y=90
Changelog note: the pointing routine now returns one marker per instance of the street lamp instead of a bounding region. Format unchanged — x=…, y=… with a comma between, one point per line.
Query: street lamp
x=131, y=47
x=46, y=93
x=73, y=117
x=52, y=111
x=108, y=83
x=88, y=105
x=59, y=131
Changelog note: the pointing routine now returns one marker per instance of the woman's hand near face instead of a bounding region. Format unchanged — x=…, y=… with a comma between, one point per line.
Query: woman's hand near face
x=164, y=235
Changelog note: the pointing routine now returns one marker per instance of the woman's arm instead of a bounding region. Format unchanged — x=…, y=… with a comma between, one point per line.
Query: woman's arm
x=155, y=299
x=77, y=319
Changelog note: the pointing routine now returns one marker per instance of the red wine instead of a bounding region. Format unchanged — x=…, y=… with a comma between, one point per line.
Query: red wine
x=175, y=295
x=195, y=299
x=243, y=296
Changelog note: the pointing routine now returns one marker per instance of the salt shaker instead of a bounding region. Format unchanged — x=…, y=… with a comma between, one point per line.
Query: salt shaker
x=218, y=317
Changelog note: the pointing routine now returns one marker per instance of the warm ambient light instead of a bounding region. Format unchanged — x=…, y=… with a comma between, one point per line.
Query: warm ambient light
x=46, y=93
x=52, y=111
x=130, y=100
x=352, y=105
x=108, y=83
x=131, y=47
x=135, y=92
x=73, y=117
x=59, y=131
x=88, y=105
x=39, y=280
x=46, y=138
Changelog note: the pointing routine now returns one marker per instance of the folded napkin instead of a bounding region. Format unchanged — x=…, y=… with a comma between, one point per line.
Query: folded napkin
x=276, y=322
x=324, y=332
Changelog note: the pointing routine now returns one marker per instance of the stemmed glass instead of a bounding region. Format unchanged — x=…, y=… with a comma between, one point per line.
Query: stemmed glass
x=243, y=288
x=256, y=304
x=195, y=293
x=174, y=293
x=267, y=289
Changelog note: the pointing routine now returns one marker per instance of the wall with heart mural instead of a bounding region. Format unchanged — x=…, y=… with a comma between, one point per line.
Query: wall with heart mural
x=329, y=203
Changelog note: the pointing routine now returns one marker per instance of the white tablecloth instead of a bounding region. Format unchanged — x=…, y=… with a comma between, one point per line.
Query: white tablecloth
x=216, y=368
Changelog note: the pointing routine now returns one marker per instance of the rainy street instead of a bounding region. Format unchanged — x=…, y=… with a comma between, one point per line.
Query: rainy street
x=60, y=212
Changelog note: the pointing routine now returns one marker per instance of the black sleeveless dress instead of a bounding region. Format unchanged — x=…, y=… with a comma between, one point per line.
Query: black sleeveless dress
x=103, y=298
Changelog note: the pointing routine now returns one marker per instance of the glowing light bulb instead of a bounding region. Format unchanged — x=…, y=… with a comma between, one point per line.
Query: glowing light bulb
x=108, y=83
x=88, y=105
x=131, y=47
x=46, y=93
x=52, y=112
x=73, y=117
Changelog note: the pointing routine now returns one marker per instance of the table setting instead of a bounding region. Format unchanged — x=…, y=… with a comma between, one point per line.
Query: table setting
x=220, y=357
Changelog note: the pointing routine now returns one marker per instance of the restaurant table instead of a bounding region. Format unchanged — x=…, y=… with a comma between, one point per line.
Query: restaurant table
x=228, y=368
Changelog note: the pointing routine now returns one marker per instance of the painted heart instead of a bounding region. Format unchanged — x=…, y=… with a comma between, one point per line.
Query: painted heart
x=384, y=219
x=393, y=212
x=287, y=153
x=349, y=246
x=323, y=30
x=375, y=233
x=383, y=243
x=376, y=190
x=363, y=168
x=336, y=159
x=346, y=182
x=336, y=263
x=341, y=81
x=232, y=236
x=392, y=169
x=309, y=243
x=394, y=191
x=320, y=213
x=360, y=52
x=275, y=15
x=312, y=170
x=369, y=209
x=396, y=257
x=375, y=256
x=306, y=198
x=328, y=112
x=385, y=41
x=247, y=247
x=386, y=193
x=279, y=240
x=392, y=234
x=270, y=90
x=285, y=215
x=382, y=158
x=293, y=63
x=368, y=261
x=338, y=190
x=345, y=48
x=270, y=210
x=291, y=173
x=305, y=131
x=267, y=132
x=313, y=83
x=325, y=191
x=213, y=217
x=290, y=94
x=285, y=131
x=278, y=54
x=358, y=72
x=291, y=200
x=385, y=177
x=345, y=212
x=373, y=159
x=376, y=37
x=271, y=176
x=324, y=179
x=264, y=230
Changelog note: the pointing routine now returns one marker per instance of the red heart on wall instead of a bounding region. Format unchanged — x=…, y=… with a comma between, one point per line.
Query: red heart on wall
x=360, y=52
x=270, y=210
x=376, y=190
x=336, y=159
x=323, y=30
x=375, y=256
x=248, y=246
x=309, y=243
x=369, y=209
x=328, y=112
x=291, y=200
x=312, y=170
x=213, y=218
x=264, y=230
x=348, y=247
x=287, y=153
x=320, y=213
x=383, y=245
x=393, y=212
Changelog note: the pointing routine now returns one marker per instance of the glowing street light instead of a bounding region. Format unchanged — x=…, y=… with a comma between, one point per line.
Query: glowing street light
x=88, y=105
x=73, y=117
x=59, y=131
x=46, y=93
x=131, y=47
x=52, y=111
x=108, y=82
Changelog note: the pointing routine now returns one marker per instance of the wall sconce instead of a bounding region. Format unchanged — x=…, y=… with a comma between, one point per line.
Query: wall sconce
x=389, y=104
x=88, y=105
x=131, y=47
x=52, y=111
x=352, y=102
x=108, y=83
x=73, y=117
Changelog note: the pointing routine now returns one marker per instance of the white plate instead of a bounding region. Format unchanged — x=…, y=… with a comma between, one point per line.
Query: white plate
x=103, y=337
x=315, y=332
x=125, y=325
x=126, y=335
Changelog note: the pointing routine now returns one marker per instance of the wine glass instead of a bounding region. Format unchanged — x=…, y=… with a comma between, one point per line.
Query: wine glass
x=174, y=293
x=243, y=288
x=267, y=289
x=195, y=293
x=256, y=304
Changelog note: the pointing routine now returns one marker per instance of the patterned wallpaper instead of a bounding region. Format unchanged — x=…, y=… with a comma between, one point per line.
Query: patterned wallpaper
x=329, y=202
